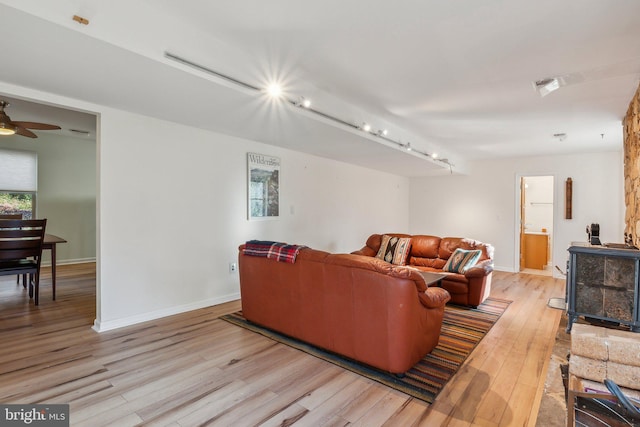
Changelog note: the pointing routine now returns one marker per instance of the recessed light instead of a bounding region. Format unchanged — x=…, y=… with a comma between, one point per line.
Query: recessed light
x=366, y=127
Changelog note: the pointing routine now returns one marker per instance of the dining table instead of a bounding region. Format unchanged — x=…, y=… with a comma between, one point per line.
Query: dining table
x=50, y=242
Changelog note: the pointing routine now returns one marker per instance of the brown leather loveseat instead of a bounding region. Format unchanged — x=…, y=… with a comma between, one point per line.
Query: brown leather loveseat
x=430, y=253
x=358, y=306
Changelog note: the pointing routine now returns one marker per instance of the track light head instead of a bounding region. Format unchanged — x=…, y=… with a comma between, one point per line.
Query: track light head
x=274, y=90
x=302, y=102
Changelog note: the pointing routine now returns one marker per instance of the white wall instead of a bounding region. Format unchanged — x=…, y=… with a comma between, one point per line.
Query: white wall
x=66, y=191
x=172, y=208
x=539, y=207
x=484, y=204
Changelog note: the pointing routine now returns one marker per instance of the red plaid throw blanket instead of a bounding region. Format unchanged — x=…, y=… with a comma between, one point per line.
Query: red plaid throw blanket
x=273, y=250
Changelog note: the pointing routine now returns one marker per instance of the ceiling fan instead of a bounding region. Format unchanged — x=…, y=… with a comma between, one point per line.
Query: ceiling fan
x=9, y=127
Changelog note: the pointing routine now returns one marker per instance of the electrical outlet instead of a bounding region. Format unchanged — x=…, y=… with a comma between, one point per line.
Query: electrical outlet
x=233, y=267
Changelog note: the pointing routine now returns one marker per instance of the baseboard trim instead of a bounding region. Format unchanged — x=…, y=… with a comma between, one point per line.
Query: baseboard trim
x=103, y=326
x=555, y=274
x=70, y=261
x=505, y=269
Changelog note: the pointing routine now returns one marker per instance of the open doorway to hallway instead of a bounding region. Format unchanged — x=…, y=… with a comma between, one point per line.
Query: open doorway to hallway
x=536, y=224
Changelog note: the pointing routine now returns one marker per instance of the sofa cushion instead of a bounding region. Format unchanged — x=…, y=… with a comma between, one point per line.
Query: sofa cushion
x=448, y=245
x=394, y=250
x=425, y=246
x=461, y=260
x=435, y=263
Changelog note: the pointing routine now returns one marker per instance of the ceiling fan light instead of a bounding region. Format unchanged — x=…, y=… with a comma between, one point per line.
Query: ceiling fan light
x=7, y=129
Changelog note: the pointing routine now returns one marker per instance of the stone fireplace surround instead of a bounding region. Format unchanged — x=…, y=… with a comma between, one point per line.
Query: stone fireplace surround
x=631, y=123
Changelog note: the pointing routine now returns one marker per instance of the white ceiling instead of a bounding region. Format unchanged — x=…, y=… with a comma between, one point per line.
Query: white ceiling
x=449, y=76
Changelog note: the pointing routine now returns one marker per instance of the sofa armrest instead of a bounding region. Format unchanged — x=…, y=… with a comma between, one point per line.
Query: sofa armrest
x=366, y=251
x=482, y=268
x=434, y=297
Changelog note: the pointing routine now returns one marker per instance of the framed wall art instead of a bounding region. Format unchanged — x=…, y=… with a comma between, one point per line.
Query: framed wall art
x=263, y=196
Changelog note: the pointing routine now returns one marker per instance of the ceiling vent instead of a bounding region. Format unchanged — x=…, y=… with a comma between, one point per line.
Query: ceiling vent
x=545, y=86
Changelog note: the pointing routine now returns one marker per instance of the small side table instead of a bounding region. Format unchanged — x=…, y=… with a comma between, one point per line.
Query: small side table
x=50, y=242
x=431, y=278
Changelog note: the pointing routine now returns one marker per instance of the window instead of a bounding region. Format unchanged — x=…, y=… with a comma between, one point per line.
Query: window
x=18, y=182
x=17, y=203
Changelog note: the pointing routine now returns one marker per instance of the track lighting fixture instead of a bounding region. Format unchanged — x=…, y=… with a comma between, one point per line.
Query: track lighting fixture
x=302, y=102
x=275, y=90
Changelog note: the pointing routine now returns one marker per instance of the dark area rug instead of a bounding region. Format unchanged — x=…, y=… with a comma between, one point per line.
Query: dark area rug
x=462, y=329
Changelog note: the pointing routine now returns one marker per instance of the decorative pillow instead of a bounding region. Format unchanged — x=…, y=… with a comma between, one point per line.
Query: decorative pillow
x=394, y=250
x=461, y=260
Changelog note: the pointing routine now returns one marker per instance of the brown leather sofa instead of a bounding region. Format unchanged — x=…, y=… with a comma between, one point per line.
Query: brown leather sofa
x=430, y=253
x=357, y=306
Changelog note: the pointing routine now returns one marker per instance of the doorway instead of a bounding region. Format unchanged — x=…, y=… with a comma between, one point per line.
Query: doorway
x=536, y=224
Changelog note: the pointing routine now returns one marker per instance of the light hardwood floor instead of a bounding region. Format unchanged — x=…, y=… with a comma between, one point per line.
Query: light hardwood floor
x=194, y=369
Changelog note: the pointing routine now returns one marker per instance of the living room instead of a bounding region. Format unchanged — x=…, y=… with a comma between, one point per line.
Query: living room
x=325, y=203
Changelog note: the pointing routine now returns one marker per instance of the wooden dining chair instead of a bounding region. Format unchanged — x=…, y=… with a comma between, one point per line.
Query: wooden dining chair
x=10, y=216
x=14, y=216
x=21, y=250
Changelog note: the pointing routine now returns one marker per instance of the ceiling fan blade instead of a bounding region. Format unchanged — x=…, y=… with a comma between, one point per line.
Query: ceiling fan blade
x=34, y=125
x=25, y=132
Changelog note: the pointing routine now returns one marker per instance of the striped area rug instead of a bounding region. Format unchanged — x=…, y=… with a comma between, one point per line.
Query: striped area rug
x=462, y=329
